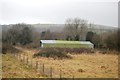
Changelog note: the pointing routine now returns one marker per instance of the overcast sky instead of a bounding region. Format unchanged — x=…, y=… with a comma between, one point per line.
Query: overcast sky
x=104, y=12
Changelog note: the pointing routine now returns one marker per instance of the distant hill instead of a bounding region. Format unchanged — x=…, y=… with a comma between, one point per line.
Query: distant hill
x=101, y=28
x=51, y=27
x=59, y=27
x=6, y=27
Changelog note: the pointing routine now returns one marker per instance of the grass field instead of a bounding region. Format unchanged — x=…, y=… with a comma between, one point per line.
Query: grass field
x=12, y=68
x=85, y=66
x=80, y=66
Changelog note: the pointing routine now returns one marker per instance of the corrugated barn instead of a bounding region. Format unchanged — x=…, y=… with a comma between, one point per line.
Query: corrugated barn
x=65, y=44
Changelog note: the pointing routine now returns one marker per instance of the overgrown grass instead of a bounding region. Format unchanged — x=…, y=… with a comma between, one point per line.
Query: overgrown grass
x=85, y=66
x=13, y=68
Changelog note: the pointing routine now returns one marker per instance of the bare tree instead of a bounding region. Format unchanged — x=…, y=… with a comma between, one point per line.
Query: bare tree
x=96, y=40
x=75, y=29
x=112, y=40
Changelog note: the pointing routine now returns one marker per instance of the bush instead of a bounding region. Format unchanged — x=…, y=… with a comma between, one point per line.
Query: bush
x=53, y=53
x=9, y=49
x=60, y=53
x=32, y=46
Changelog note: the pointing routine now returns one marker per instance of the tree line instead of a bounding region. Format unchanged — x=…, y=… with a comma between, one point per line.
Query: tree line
x=75, y=29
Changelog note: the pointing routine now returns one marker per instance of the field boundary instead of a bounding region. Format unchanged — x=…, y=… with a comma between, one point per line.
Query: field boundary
x=41, y=68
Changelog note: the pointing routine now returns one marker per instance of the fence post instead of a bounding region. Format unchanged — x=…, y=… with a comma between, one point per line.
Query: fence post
x=27, y=60
x=60, y=74
x=20, y=57
x=36, y=65
x=31, y=63
x=51, y=72
x=43, y=69
x=23, y=58
x=73, y=77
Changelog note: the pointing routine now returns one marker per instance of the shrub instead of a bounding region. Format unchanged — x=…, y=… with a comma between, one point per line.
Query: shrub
x=32, y=46
x=9, y=49
x=53, y=53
